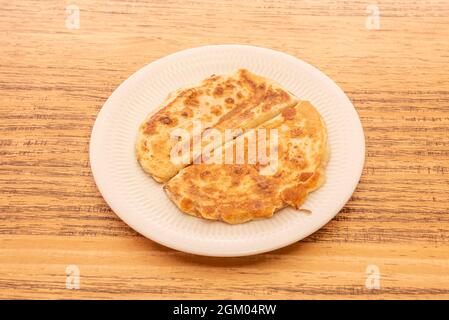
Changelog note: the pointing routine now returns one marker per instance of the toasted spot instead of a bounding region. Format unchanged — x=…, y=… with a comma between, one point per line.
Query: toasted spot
x=218, y=91
x=165, y=120
x=204, y=174
x=289, y=113
x=305, y=176
x=143, y=146
x=229, y=100
x=238, y=170
x=216, y=110
x=168, y=121
x=259, y=93
x=229, y=85
x=245, y=77
x=186, y=204
x=296, y=132
x=277, y=96
x=263, y=184
x=192, y=99
x=150, y=128
x=187, y=112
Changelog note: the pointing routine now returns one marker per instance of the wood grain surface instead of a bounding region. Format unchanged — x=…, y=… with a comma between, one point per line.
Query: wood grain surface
x=54, y=80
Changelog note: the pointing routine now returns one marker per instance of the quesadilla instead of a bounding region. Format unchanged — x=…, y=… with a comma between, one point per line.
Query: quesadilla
x=241, y=100
x=239, y=192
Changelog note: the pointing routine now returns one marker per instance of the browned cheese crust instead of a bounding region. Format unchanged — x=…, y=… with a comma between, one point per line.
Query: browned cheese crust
x=242, y=100
x=236, y=193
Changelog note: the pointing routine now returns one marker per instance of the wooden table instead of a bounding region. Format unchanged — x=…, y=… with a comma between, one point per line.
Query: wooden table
x=54, y=78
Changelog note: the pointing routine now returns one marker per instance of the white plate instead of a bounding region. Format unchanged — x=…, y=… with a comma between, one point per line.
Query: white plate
x=141, y=202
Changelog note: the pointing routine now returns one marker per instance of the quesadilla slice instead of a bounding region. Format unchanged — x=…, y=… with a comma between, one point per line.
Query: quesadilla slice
x=242, y=100
x=241, y=191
